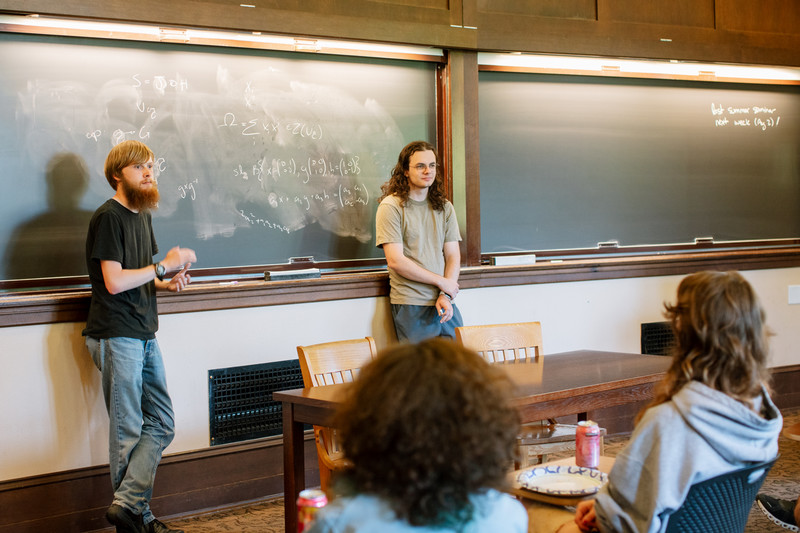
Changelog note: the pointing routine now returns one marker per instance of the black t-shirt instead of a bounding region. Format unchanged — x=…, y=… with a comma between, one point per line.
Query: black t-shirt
x=118, y=234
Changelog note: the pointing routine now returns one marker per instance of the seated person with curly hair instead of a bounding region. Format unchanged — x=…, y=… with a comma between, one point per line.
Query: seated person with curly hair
x=431, y=433
x=711, y=414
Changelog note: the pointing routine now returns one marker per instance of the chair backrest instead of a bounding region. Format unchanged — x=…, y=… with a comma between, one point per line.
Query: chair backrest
x=721, y=503
x=503, y=342
x=334, y=362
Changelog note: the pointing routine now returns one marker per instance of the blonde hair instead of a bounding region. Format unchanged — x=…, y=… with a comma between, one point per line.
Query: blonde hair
x=124, y=154
x=721, y=337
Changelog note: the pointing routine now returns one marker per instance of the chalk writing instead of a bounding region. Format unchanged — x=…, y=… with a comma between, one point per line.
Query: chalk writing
x=258, y=221
x=305, y=130
x=161, y=83
x=304, y=170
x=187, y=189
x=351, y=196
x=144, y=109
x=347, y=196
x=763, y=118
x=253, y=126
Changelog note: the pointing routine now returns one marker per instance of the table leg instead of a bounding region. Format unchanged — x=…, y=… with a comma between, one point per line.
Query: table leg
x=293, y=465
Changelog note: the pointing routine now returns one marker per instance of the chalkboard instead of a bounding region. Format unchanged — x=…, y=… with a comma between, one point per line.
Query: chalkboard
x=261, y=156
x=567, y=162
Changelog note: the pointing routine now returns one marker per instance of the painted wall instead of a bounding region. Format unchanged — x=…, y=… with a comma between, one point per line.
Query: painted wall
x=53, y=417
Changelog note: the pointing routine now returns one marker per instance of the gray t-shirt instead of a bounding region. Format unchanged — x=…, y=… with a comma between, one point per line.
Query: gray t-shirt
x=422, y=232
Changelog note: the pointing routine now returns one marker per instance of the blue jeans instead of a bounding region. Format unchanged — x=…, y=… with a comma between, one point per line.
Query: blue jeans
x=415, y=323
x=140, y=418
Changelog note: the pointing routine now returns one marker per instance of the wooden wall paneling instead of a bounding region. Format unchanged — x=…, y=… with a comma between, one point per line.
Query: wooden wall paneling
x=457, y=13
x=502, y=32
x=769, y=16
x=697, y=13
x=396, y=21
x=564, y=9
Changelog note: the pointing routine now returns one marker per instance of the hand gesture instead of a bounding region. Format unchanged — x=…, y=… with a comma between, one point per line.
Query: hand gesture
x=178, y=257
x=180, y=280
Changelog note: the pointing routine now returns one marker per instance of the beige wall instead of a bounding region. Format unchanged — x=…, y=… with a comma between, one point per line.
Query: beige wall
x=53, y=416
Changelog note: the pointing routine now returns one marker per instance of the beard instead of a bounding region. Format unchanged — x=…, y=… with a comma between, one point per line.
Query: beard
x=140, y=199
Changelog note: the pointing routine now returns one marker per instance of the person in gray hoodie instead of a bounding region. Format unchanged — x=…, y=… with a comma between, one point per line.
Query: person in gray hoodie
x=711, y=414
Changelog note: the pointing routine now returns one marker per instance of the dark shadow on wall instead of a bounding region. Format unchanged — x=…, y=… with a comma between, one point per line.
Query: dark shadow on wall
x=53, y=243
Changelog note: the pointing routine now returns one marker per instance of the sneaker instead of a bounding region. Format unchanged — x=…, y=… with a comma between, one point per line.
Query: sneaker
x=781, y=512
x=125, y=521
x=157, y=526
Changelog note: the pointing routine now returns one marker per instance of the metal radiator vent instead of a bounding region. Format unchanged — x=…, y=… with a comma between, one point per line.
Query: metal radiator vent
x=240, y=404
x=657, y=338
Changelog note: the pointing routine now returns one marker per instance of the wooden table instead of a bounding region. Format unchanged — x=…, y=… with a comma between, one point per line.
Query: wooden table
x=558, y=385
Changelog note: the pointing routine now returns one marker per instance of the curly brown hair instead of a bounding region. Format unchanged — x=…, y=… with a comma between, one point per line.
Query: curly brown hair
x=398, y=182
x=425, y=427
x=721, y=337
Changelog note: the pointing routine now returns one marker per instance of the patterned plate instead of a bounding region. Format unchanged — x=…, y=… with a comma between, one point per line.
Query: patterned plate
x=562, y=480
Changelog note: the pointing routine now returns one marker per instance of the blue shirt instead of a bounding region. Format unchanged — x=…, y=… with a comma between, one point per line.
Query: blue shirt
x=495, y=512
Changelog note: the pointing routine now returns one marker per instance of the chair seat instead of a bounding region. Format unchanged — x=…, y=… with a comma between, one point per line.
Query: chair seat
x=542, y=433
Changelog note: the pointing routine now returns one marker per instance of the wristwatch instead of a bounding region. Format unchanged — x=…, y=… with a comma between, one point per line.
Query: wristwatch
x=160, y=271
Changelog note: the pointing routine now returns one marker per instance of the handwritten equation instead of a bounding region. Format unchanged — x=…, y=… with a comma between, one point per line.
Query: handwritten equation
x=259, y=126
x=290, y=171
x=344, y=195
x=761, y=118
x=304, y=170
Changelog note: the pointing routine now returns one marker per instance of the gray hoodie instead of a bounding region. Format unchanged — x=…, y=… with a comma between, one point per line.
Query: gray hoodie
x=699, y=434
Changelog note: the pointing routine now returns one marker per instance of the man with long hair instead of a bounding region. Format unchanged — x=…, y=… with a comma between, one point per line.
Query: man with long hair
x=431, y=432
x=120, y=332
x=417, y=228
x=711, y=413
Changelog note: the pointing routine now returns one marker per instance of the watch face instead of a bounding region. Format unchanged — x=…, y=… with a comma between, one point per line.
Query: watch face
x=160, y=270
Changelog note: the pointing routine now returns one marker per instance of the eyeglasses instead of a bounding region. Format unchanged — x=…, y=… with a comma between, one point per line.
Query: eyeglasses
x=422, y=166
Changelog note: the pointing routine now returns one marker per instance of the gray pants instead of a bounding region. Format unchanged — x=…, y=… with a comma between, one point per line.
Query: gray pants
x=414, y=323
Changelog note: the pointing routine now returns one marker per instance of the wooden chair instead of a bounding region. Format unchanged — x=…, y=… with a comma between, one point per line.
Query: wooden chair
x=721, y=503
x=325, y=364
x=520, y=342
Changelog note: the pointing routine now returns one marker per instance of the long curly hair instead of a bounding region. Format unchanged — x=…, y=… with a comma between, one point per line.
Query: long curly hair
x=426, y=426
x=721, y=337
x=398, y=182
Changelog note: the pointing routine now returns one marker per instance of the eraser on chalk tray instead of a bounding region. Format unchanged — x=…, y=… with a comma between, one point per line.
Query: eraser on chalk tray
x=281, y=275
x=510, y=260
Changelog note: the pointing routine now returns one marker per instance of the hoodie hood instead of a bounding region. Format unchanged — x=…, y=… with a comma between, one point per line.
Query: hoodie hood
x=735, y=432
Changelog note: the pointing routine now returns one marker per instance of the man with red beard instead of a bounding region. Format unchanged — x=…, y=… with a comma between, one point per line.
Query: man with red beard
x=120, y=332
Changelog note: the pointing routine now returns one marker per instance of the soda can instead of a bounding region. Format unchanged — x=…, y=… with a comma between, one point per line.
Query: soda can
x=308, y=503
x=587, y=444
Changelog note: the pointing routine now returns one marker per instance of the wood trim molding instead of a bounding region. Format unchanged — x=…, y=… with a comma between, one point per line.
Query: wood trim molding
x=20, y=309
x=75, y=501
